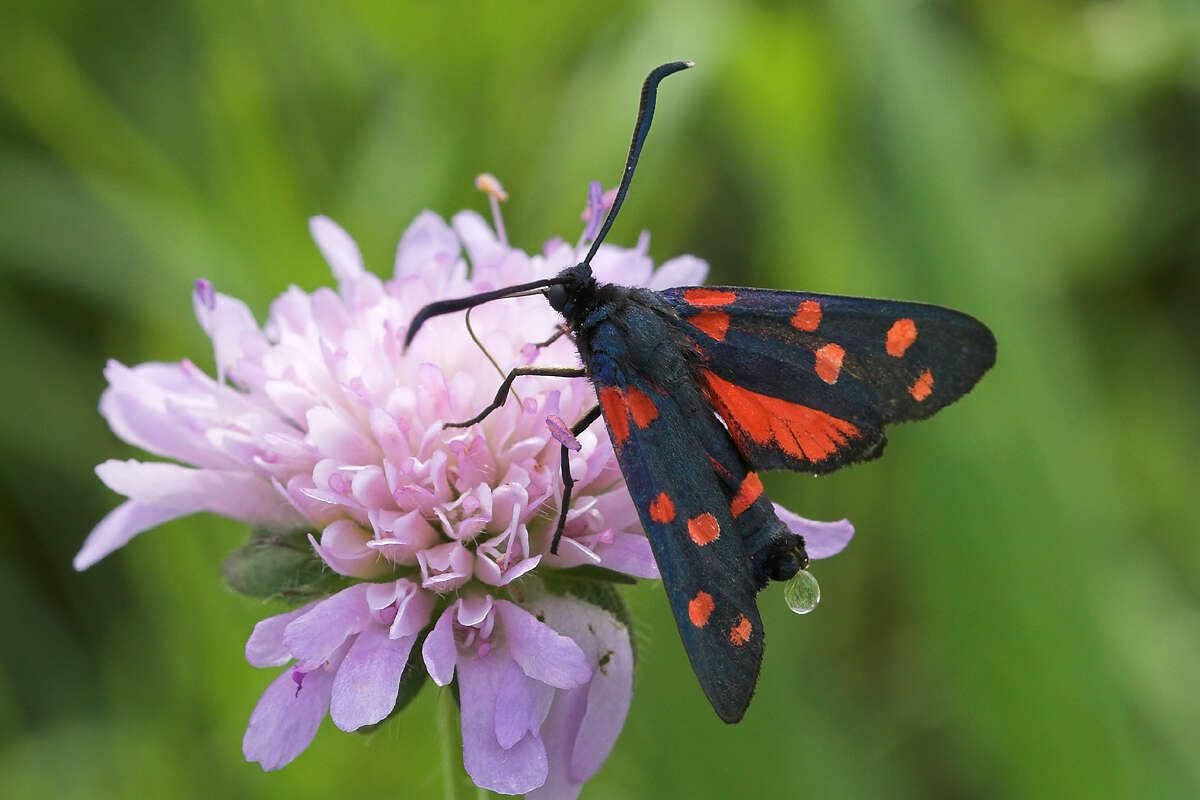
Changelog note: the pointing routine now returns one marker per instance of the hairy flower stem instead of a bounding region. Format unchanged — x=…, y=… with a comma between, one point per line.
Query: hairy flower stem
x=458, y=785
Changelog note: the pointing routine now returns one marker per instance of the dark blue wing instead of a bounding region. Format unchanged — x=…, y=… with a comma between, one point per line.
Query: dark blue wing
x=807, y=381
x=708, y=522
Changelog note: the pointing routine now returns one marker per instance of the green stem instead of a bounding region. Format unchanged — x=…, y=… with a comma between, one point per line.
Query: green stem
x=458, y=785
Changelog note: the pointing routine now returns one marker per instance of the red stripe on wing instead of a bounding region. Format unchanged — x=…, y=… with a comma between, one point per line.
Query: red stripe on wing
x=800, y=431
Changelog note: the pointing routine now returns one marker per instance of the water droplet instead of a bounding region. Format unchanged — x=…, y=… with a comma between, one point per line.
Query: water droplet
x=802, y=593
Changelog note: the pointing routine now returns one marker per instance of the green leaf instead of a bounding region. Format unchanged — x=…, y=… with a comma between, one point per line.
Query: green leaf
x=280, y=565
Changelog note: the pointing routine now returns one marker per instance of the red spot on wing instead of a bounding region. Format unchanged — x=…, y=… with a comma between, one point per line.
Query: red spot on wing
x=808, y=316
x=704, y=529
x=714, y=323
x=829, y=362
x=700, y=608
x=923, y=387
x=750, y=490
x=709, y=297
x=616, y=412
x=800, y=431
x=900, y=336
x=641, y=406
x=662, y=509
x=739, y=634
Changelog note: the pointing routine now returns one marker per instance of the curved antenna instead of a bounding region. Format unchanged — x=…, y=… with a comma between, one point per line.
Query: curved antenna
x=484, y=350
x=458, y=304
x=640, y=129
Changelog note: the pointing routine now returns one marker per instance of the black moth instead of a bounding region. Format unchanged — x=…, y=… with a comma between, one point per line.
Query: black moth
x=799, y=381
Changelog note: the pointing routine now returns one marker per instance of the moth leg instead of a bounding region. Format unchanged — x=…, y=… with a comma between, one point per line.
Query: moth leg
x=546, y=372
x=568, y=481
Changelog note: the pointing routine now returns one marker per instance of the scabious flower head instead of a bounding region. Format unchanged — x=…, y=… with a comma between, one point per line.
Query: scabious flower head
x=330, y=440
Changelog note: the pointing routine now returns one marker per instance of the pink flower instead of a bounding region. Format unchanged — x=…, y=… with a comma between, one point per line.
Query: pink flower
x=321, y=433
x=348, y=653
x=544, y=689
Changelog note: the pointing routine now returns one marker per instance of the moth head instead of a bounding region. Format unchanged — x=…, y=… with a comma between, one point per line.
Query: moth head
x=570, y=284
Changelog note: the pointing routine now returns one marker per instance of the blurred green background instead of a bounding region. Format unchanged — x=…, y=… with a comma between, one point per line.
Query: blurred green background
x=1019, y=614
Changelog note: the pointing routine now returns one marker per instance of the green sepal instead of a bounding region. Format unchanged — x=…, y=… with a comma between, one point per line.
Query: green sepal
x=590, y=572
x=280, y=565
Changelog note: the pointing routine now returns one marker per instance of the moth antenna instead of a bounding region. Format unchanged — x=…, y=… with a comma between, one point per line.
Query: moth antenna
x=484, y=350
x=640, y=129
x=460, y=303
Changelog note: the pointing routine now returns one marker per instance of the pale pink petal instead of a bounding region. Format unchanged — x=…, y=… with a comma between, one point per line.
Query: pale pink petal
x=286, y=718
x=628, y=266
x=118, y=527
x=401, y=535
x=445, y=567
x=233, y=330
x=473, y=609
x=414, y=607
x=314, y=637
x=428, y=242
x=558, y=733
x=265, y=647
x=339, y=250
x=439, y=651
x=628, y=553
x=364, y=690
x=594, y=727
x=335, y=437
x=680, y=271
x=240, y=495
x=521, y=706
x=344, y=548
x=477, y=237
x=514, y=770
x=542, y=653
x=134, y=407
x=821, y=539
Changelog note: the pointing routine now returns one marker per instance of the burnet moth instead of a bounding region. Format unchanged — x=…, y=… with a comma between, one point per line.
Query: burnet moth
x=702, y=387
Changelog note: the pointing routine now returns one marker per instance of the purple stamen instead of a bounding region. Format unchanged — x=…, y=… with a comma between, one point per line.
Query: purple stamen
x=593, y=214
x=561, y=433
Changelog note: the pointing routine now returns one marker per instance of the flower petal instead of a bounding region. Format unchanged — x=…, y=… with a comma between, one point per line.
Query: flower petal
x=118, y=527
x=135, y=407
x=183, y=490
x=543, y=654
x=344, y=548
x=680, y=271
x=558, y=732
x=482, y=246
x=364, y=689
x=821, y=539
x=439, y=651
x=265, y=647
x=521, y=706
x=286, y=718
x=513, y=770
x=428, y=242
x=605, y=642
x=337, y=247
x=629, y=553
x=315, y=636
x=414, y=607
x=233, y=330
